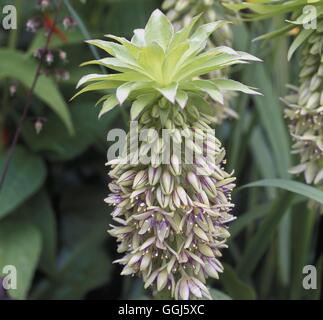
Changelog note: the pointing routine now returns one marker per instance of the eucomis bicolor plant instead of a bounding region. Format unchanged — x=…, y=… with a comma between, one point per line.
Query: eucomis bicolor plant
x=171, y=220
x=181, y=13
x=305, y=104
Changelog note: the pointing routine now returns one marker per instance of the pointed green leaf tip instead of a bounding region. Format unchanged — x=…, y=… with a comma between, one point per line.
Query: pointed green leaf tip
x=159, y=62
x=159, y=29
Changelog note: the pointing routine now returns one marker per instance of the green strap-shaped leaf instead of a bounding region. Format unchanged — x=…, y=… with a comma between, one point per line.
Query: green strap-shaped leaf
x=25, y=176
x=247, y=218
x=235, y=287
x=299, y=40
x=275, y=33
x=270, y=115
x=38, y=211
x=84, y=263
x=304, y=222
x=317, y=293
x=20, y=245
x=219, y=295
x=289, y=185
x=257, y=246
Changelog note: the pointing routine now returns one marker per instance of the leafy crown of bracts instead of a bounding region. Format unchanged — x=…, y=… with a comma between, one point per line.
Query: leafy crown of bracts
x=159, y=62
x=181, y=13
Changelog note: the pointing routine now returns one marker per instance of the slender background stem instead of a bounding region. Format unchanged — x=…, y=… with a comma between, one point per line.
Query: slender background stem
x=28, y=100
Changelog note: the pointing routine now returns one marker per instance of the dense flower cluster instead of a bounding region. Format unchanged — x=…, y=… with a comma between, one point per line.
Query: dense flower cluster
x=174, y=216
x=172, y=211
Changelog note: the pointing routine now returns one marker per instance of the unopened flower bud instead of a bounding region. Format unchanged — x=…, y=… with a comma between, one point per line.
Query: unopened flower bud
x=194, y=181
x=167, y=183
x=69, y=22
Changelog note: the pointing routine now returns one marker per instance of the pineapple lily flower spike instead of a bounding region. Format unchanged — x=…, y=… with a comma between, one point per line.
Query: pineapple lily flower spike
x=304, y=110
x=171, y=220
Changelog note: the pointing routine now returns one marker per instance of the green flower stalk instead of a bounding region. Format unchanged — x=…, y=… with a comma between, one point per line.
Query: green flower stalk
x=181, y=13
x=171, y=215
x=304, y=110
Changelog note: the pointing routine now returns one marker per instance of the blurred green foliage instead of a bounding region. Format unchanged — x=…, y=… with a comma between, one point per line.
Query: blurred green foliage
x=52, y=217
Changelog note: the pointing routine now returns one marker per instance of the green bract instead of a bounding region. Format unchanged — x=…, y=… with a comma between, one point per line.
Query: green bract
x=159, y=62
x=181, y=13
